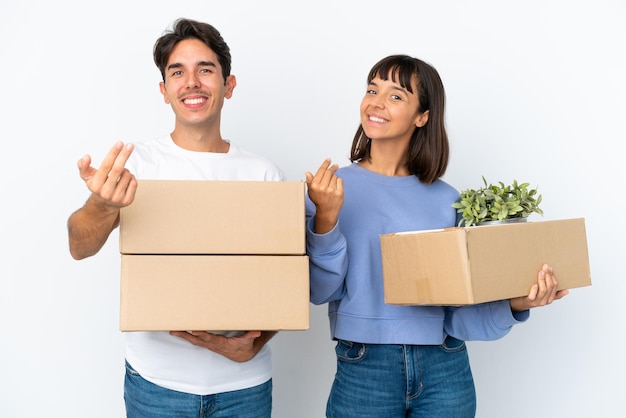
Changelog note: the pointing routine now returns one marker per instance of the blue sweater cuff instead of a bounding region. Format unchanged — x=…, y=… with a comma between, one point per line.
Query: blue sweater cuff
x=505, y=318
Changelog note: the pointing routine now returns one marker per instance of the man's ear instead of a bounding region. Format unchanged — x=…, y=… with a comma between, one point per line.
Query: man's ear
x=231, y=83
x=421, y=119
x=164, y=92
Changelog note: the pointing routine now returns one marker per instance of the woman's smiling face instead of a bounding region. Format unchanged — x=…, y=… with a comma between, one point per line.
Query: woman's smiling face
x=389, y=111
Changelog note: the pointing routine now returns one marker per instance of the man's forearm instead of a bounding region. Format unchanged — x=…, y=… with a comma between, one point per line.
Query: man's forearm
x=88, y=229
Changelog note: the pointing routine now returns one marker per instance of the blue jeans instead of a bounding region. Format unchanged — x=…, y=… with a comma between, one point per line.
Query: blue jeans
x=146, y=400
x=393, y=381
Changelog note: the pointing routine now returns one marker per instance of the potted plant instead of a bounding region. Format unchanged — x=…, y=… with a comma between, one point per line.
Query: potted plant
x=497, y=203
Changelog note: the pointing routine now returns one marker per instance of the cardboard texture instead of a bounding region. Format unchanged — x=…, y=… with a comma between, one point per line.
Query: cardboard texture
x=214, y=292
x=468, y=265
x=214, y=217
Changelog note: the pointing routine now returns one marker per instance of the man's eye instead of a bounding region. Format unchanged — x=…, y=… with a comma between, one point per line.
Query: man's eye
x=177, y=73
x=206, y=71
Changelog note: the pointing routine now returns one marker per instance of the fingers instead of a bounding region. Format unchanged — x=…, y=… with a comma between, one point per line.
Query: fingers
x=209, y=338
x=340, y=185
x=184, y=335
x=112, y=166
x=124, y=191
x=323, y=170
x=544, y=292
x=310, y=176
x=323, y=167
x=324, y=179
x=238, y=349
x=111, y=183
x=324, y=176
x=251, y=335
x=534, y=290
x=325, y=189
x=548, y=284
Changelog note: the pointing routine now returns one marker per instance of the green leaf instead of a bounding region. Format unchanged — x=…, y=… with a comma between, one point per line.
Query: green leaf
x=497, y=202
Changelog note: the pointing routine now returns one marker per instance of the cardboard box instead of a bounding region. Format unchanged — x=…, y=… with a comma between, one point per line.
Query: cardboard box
x=214, y=217
x=467, y=265
x=212, y=292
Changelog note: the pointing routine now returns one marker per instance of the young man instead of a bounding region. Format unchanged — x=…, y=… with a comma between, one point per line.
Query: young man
x=180, y=374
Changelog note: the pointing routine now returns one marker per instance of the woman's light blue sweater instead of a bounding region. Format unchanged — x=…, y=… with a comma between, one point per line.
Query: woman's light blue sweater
x=346, y=265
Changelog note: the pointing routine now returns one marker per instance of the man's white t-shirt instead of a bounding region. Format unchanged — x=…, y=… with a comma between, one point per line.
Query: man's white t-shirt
x=173, y=362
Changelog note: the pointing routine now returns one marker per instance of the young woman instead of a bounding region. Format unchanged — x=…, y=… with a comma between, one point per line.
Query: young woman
x=396, y=361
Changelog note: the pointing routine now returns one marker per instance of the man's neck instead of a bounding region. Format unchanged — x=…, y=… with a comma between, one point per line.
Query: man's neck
x=200, y=141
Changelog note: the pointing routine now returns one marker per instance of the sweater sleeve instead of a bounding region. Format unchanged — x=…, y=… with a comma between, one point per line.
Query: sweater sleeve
x=484, y=322
x=328, y=260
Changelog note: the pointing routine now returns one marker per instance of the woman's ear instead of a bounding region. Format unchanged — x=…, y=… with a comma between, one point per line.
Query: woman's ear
x=421, y=119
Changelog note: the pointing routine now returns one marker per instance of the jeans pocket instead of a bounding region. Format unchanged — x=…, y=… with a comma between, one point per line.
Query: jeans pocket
x=130, y=371
x=349, y=351
x=452, y=345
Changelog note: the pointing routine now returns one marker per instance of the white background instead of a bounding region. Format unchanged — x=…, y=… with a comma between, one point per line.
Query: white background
x=536, y=92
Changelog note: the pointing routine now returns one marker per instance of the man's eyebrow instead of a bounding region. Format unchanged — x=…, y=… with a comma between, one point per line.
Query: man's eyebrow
x=200, y=64
x=206, y=64
x=174, y=65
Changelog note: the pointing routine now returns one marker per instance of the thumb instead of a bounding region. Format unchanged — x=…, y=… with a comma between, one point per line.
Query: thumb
x=309, y=177
x=84, y=169
x=532, y=295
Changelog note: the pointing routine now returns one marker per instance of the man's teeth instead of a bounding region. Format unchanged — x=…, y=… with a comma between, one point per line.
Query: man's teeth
x=194, y=101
